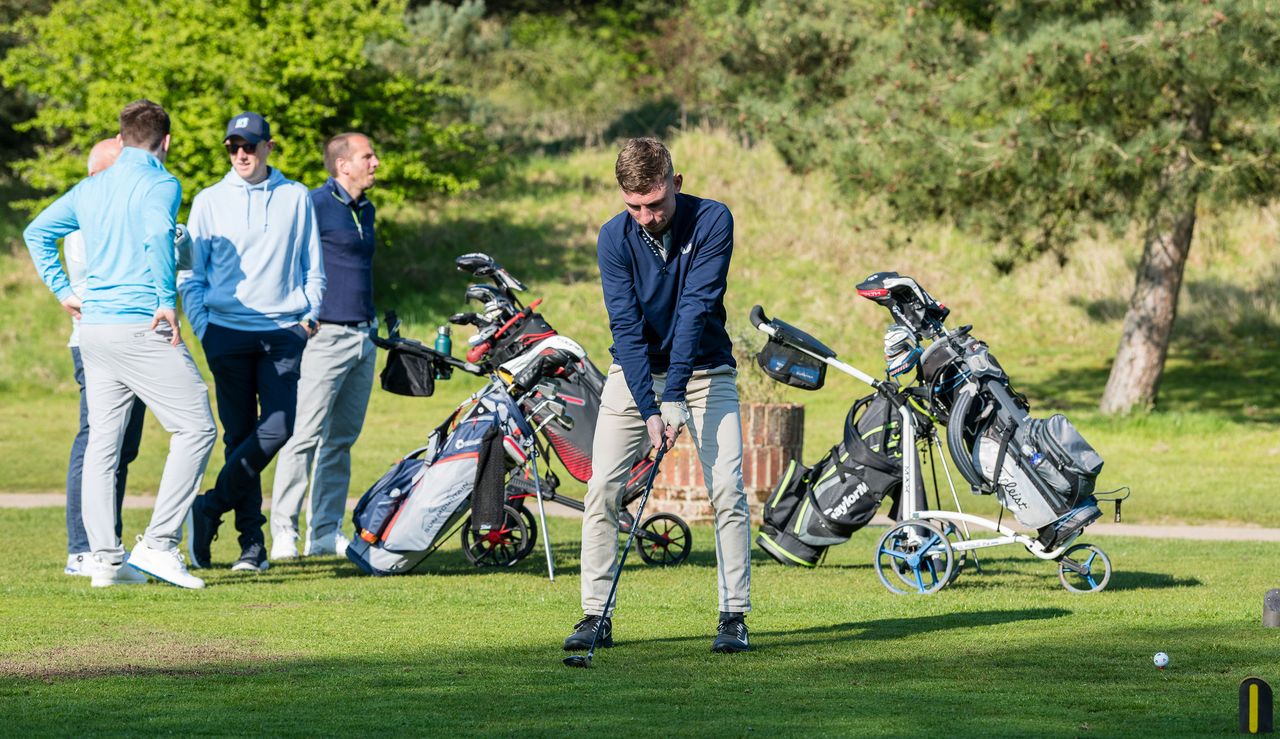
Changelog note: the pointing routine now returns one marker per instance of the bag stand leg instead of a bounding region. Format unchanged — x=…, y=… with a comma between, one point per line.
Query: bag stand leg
x=542, y=515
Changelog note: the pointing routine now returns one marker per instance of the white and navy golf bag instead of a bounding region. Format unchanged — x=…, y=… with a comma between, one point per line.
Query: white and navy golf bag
x=426, y=496
x=813, y=508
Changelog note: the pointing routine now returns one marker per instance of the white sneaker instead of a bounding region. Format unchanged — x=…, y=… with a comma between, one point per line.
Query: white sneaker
x=328, y=546
x=168, y=565
x=105, y=574
x=284, y=545
x=76, y=564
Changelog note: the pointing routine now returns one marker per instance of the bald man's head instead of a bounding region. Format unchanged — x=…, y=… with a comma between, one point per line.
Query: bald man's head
x=103, y=155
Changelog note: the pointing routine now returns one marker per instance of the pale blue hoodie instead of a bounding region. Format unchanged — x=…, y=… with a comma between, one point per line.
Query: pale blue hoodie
x=255, y=256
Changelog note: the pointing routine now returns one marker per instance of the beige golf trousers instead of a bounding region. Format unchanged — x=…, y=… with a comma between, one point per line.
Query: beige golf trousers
x=715, y=426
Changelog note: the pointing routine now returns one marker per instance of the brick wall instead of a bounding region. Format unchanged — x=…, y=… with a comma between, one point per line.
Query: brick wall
x=772, y=434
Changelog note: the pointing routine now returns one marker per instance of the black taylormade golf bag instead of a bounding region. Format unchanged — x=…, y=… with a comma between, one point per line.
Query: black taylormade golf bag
x=813, y=508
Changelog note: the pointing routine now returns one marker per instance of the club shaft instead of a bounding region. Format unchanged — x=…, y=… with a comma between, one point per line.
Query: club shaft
x=635, y=524
x=542, y=514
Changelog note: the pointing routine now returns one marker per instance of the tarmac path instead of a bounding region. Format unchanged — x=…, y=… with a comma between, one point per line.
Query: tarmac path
x=1239, y=532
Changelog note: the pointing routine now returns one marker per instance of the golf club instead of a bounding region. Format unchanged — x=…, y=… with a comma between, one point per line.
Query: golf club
x=584, y=660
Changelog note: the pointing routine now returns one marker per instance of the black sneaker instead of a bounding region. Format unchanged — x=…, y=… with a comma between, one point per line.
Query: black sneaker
x=202, y=530
x=1060, y=531
x=731, y=635
x=253, y=558
x=585, y=630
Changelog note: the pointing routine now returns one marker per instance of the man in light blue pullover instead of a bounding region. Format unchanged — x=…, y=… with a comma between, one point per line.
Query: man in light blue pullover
x=253, y=298
x=130, y=343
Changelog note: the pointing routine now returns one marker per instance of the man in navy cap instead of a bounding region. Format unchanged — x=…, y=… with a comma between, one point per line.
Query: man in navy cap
x=253, y=299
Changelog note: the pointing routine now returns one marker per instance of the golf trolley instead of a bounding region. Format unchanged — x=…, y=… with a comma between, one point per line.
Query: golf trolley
x=926, y=549
x=556, y=391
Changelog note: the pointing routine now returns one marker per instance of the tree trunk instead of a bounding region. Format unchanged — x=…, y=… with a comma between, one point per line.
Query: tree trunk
x=1148, y=324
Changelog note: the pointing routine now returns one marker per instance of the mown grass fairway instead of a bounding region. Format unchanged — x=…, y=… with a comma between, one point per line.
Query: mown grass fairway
x=314, y=648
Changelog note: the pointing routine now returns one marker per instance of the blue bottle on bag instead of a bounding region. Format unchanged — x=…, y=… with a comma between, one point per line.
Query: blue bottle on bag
x=444, y=345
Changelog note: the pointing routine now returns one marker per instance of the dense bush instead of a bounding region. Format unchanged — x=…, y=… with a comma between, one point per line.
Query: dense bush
x=304, y=65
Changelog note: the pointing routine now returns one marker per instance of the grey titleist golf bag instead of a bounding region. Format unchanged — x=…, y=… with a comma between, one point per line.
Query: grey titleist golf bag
x=1041, y=470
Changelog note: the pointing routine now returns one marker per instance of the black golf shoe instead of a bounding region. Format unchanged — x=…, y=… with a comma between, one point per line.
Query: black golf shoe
x=585, y=630
x=253, y=558
x=731, y=636
x=201, y=531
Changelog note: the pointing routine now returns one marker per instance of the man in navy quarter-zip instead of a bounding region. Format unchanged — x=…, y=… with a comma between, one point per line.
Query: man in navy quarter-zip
x=338, y=364
x=253, y=298
x=664, y=265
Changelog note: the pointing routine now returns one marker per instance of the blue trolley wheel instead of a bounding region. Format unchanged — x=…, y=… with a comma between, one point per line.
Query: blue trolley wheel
x=1084, y=568
x=914, y=558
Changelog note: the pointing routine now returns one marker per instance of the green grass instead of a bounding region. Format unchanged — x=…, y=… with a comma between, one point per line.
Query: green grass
x=312, y=648
x=1209, y=453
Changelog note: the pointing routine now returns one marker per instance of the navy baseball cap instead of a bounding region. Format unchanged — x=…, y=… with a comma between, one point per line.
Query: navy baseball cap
x=249, y=126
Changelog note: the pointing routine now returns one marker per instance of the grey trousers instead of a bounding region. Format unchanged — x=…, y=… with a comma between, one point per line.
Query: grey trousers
x=333, y=395
x=121, y=362
x=716, y=429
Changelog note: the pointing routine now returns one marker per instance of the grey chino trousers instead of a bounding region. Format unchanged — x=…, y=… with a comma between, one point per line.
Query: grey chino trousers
x=715, y=427
x=333, y=396
x=121, y=362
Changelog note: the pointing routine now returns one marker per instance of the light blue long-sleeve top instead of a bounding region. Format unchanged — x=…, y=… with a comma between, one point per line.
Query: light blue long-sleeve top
x=255, y=256
x=127, y=214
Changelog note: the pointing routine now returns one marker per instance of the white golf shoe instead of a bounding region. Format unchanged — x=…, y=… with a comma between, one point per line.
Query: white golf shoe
x=284, y=545
x=76, y=564
x=167, y=565
x=328, y=546
x=105, y=574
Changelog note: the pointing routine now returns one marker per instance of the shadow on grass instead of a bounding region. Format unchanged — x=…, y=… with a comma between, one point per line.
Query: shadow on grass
x=880, y=677
x=1130, y=580
x=889, y=628
x=416, y=276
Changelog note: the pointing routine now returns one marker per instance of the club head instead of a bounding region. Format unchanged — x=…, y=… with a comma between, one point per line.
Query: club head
x=477, y=264
x=578, y=660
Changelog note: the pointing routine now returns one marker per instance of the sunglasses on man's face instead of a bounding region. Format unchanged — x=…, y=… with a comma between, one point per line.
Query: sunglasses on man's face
x=234, y=148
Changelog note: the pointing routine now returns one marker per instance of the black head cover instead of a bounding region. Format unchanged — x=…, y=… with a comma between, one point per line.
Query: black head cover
x=909, y=304
x=477, y=263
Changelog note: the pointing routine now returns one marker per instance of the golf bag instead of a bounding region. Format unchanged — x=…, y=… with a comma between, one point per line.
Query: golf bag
x=813, y=508
x=1041, y=470
x=579, y=386
x=423, y=500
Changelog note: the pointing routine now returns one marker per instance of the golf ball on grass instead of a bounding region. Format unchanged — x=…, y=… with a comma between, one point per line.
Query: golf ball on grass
x=1161, y=659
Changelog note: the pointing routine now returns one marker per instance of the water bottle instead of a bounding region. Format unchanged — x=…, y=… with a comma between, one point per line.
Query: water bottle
x=444, y=345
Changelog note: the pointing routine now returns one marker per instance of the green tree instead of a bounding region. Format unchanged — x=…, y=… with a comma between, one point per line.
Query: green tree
x=1029, y=123
x=301, y=64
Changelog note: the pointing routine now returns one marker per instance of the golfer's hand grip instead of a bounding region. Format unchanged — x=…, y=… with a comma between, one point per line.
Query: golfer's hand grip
x=758, y=317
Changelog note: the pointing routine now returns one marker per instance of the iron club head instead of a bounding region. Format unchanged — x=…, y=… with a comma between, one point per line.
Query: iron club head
x=578, y=660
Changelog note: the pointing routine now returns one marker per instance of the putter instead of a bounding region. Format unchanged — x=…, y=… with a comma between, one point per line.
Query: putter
x=580, y=660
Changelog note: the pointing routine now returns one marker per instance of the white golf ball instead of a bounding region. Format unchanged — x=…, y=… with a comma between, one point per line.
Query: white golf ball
x=1161, y=659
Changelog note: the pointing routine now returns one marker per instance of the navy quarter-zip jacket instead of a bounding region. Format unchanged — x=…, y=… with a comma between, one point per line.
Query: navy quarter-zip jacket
x=667, y=316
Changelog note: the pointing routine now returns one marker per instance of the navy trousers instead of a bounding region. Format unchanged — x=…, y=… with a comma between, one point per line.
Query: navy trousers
x=256, y=382
x=77, y=539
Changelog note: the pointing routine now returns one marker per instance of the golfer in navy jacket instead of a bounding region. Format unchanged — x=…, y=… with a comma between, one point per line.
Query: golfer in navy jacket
x=664, y=265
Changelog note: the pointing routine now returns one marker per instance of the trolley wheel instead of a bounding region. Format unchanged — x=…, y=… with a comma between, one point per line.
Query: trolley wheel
x=1084, y=568
x=664, y=540
x=530, y=523
x=961, y=555
x=914, y=557
x=501, y=547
